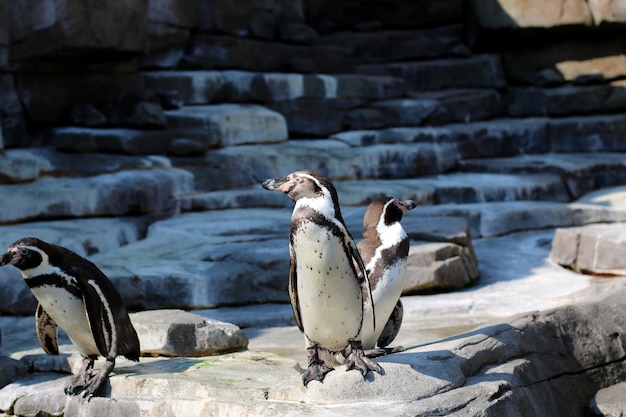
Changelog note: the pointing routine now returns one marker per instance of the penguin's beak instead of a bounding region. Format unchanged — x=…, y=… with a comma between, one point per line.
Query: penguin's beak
x=407, y=205
x=275, y=184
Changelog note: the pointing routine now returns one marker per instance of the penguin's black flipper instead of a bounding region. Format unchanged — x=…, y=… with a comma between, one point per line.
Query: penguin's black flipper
x=100, y=317
x=392, y=327
x=47, y=331
x=293, y=289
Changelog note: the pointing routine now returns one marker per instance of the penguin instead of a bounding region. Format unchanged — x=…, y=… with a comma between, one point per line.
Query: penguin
x=73, y=294
x=327, y=278
x=384, y=250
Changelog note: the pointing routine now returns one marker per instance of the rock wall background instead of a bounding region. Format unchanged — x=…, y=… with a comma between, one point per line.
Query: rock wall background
x=136, y=134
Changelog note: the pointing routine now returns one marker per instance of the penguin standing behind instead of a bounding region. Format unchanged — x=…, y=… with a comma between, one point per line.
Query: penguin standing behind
x=74, y=294
x=384, y=250
x=326, y=274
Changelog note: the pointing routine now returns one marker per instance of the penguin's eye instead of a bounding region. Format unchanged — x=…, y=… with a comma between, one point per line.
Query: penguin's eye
x=24, y=251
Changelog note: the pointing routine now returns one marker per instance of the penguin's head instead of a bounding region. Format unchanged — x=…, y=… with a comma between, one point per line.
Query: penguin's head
x=299, y=184
x=24, y=254
x=386, y=210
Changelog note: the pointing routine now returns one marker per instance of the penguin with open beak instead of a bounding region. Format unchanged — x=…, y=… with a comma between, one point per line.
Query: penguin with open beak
x=73, y=294
x=326, y=274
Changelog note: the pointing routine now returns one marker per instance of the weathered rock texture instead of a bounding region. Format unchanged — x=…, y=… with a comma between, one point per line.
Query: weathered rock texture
x=136, y=134
x=595, y=249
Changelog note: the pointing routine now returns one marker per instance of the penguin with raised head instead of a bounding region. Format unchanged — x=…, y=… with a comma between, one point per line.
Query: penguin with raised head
x=75, y=295
x=384, y=250
x=326, y=274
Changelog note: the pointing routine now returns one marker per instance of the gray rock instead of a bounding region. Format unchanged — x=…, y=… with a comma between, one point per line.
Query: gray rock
x=47, y=96
x=186, y=147
x=13, y=121
x=609, y=402
x=588, y=134
x=40, y=391
x=439, y=267
x=45, y=32
x=315, y=117
x=500, y=218
x=498, y=138
x=566, y=100
x=612, y=197
x=476, y=71
x=127, y=192
x=326, y=15
x=466, y=105
x=364, y=118
x=398, y=45
x=204, y=87
x=168, y=30
x=85, y=114
x=208, y=51
x=557, y=62
x=581, y=172
x=18, y=165
x=11, y=370
x=592, y=249
x=123, y=140
x=522, y=363
x=406, y=112
x=230, y=124
x=179, y=333
x=220, y=16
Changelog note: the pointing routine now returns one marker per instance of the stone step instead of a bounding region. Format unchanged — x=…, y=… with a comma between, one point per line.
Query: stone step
x=26, y=165
x=581, y=172
x=453, y=188
x=231, y=124
x=567, y=100
x=240, y=256
x=399, y=45
x=208, y=51
x=478, y=71
x=117, y=194
x=230, y=86
x=124, y=141
x=507, y=137
x=464, y=105
x=203, y=127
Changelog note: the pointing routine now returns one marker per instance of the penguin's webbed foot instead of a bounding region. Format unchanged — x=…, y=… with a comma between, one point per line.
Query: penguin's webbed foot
x=81, y=379
x=316, y=371
x=317, y=368
x=378, y=352
x=96, y=380
x=358, y=360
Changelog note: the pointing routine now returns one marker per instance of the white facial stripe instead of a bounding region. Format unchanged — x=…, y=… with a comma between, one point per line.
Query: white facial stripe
x=389, y=235
x=44, y=268
x=323, y=204
x=110, y=335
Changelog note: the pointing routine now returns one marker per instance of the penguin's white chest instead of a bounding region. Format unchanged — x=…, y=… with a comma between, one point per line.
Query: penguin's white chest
x=329, y=293
x=385, y=296
x=70, y=314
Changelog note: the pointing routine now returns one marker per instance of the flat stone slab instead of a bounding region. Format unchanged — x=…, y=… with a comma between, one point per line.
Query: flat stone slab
x=231, y=124
x=596, y=249
x=205, y=87
x=180, y=333
x=472, y=72
x=612, y=197
x=609, y=402
x=122, y=140
x=121, y=193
